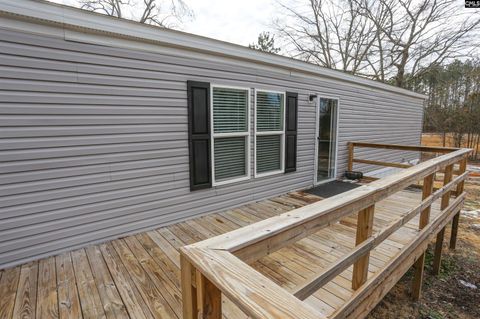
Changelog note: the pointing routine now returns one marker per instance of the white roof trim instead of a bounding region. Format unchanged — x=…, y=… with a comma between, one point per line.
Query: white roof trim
x=89, y=22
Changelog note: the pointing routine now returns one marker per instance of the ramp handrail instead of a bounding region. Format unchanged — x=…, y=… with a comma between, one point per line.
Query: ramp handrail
x=220, y=264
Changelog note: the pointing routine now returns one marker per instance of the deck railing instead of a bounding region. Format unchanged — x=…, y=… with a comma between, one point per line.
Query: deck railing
x=352, y=159
x=219, y=265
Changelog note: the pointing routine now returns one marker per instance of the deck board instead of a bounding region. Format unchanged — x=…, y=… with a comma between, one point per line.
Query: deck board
x=26, y=297
x=8, y=291
x=138, y=276
x=68, y=299
x=86, y=285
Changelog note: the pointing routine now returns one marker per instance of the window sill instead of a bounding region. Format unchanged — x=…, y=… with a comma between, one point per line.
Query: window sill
x=229, y=181
x=269, y=173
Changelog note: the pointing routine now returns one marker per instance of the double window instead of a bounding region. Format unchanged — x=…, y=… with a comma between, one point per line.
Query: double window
x=230, y=120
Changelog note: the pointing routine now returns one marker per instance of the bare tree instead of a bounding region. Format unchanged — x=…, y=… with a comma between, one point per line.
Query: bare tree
x=382, y=39
x=165, y=13
x=330, y=33
x=418, y=34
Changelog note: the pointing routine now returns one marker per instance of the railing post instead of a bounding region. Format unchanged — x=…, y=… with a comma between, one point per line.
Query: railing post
x=350, y=156
x=189, y=292
x=456, y=218
x=209, y=298
x=437, y=260
x=424, y=219
x=364, y=230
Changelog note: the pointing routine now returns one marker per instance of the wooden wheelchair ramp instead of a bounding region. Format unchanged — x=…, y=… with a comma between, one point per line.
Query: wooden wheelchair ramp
x=336, y=258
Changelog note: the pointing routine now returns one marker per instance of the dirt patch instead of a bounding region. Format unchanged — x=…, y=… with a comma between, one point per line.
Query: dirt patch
x=451, y=294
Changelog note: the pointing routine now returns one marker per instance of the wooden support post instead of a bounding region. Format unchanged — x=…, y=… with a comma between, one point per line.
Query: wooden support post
x=462, y=169
x=350, y=156
x=437, y=260
x=424, y=219
x=209, y=299
x=426, y=192
x=418, y=277
x=453, y=234
x=188, y=290
x=364, y=230
x=460, y=187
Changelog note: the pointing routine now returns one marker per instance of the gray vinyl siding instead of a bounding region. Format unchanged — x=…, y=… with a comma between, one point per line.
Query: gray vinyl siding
x=94, y=141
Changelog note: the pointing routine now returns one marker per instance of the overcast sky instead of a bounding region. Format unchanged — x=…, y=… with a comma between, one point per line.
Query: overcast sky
x=237, y=21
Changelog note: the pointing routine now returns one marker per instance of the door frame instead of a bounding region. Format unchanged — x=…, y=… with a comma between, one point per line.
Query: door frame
x=317, y=126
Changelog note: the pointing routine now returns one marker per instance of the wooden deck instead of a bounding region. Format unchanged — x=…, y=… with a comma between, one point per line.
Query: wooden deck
x=138, y=276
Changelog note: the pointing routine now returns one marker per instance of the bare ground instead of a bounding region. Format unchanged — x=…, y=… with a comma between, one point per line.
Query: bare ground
x=444, y=296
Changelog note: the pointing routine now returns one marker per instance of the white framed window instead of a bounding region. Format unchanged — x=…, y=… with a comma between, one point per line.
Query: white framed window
x=230, y=127
x=269, y=132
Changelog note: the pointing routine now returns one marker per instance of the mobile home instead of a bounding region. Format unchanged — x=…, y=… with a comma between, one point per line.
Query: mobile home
x=110, y=127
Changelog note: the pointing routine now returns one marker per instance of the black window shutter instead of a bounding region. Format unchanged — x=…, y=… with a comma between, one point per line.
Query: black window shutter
x=198, y=94
x=291, y=114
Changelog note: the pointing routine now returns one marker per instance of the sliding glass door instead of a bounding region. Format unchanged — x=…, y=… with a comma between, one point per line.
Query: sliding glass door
x=326, y=139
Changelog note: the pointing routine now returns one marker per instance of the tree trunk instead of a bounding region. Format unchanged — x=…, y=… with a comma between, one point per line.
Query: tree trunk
x=400, y=78
x=477, y=146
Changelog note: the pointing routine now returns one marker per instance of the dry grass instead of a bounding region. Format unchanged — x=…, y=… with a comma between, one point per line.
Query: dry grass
x=434, y=139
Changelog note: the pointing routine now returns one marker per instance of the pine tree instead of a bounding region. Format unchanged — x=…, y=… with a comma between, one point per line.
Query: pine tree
x=265, y=43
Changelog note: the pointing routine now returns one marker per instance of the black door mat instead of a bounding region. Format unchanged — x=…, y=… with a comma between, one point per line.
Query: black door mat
x=332, y=188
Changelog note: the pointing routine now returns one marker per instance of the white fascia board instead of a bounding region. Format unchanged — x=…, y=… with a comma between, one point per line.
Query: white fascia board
x=89, y=22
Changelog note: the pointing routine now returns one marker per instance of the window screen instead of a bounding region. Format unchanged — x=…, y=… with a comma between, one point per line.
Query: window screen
x=269, y=111
x=230, y=157
x=269, y=133
x=230, y=110
x=268, y=153
x=230, y=133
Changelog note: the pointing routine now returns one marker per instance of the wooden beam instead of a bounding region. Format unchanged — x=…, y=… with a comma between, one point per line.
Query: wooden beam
x=351, y=150
x=424, y=219
x=455, y=172
x=209, y=298
x=417, y=282
x=453, y=234
x=260, y=239
x=378, y=281
x=461, y=170
x=406, y=147
x=311, y=286
x=437, y=260
x=316, y=282
x=364, y=231
x=364, y=304
x=379, y=163
x=256, y=295
x=426, y=192
x=188, y=290
x=460, y=188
